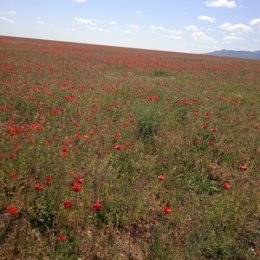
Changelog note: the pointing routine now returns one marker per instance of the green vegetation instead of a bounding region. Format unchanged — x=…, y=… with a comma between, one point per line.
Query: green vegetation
x=105, y=155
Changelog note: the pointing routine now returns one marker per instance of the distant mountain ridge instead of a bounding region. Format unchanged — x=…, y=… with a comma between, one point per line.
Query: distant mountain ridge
x=236, y=54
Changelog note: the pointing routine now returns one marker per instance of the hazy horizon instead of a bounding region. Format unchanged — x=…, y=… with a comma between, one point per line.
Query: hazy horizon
x=198, y=27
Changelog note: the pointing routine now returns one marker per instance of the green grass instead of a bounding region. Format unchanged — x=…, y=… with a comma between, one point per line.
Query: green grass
x=65, y=110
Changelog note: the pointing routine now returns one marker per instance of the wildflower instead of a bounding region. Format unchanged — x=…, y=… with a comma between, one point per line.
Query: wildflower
x=81, y=180
x=154, y=98
x=12, y=156
x=78, y=136
x=214, y=130
x=76, y=187
x=67, y=204
x=13, y=211
x=117, y=135
x=13, y=176
x=64, y=154
x=195, y=112
x=63, y=238
x=118, y=147
x=243, y=167
x=154, y=221
x=197, y=142
x=207, y=115
x=161, y=178
x=97, y=206
x=65, y=149
x=48, y=180
x=212, y=143
x=227, y=186
x=167, y=210
x=38, y=187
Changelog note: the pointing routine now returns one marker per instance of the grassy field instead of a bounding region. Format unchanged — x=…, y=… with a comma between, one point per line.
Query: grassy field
x=115, y=153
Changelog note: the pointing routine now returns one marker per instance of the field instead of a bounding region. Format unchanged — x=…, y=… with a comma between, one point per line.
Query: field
x=115, y=153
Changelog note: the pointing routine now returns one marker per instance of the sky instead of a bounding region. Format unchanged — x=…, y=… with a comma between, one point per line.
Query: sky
x=192, y=26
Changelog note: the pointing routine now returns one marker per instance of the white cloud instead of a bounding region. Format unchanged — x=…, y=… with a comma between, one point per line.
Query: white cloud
x=103, y=30
x=221, y=3
x=134, y=26
x=86, y=21
x=255, y=22
x=11, y=12
x=139, y=12
x=236, y=28
x=128, y=32
x=203, y=38
x=157, y=28
x=192, y=28
x=6, y=19
x=175, y=37
x=173, y=31
x=40, y=22
x=206, y=18
x=174, y=34
x=80, y=1
x=232, y=38
x=112, y=23
x=166, y=33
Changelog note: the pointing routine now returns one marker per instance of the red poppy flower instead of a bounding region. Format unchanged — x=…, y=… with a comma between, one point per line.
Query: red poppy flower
x=117, y=135
x=195, y=112
x=97, y=206
x=12, y=156
x=13, y=211
x=48, y=180
x=118, y=147
x=13, y=176
x=204, y=126
x=197, y=142
x=214, y=130
x=78, y=136
x=63, y=238
x=212, y=143
x=65, y=149
x=161, y=178
x=81, y=181
x=167, y=210
x=76, y=187
x=38, y=187
x=227, y=186
x=243, y=167
x=103, y=184
x=67, y=204
x=64, y=154
x=207, y=115
x=154, y=222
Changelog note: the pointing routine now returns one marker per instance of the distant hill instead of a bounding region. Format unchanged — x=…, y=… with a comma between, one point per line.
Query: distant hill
x=237, y=54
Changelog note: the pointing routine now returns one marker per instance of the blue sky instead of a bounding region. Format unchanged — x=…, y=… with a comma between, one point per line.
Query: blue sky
x=195, y=26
